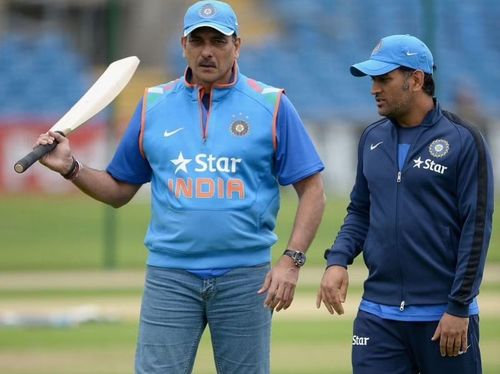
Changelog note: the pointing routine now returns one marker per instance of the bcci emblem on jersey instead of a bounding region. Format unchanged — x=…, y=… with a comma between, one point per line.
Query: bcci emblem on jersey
x=239, y=128
x=439, y=148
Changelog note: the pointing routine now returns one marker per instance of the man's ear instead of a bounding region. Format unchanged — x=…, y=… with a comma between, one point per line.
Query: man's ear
x=183, y=44
x=418, y=77
x=237, y=44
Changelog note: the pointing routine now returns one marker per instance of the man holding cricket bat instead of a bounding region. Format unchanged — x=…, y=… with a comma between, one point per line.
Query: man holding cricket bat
x=215, y=146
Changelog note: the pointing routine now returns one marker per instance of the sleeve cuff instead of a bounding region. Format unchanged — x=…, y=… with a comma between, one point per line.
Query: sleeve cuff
x=334, y=257
x=457, y=309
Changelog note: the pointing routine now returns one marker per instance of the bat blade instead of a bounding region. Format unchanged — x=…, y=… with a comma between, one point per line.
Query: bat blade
x=103, y=91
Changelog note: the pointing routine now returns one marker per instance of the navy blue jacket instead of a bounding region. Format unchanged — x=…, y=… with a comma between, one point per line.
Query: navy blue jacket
x=424, y=230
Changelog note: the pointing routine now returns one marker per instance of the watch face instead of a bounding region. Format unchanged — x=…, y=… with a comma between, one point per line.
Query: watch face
x=299, y=258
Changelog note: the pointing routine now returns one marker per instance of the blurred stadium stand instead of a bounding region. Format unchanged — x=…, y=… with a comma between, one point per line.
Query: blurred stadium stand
x=304, y=46
x=317, y=41
x=52, y=50
x=39, y=77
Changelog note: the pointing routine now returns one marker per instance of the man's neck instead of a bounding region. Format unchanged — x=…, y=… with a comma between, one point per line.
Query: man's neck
x=418, y=113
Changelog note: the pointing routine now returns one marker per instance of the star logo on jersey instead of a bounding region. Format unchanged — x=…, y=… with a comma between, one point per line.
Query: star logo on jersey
x=181, y=163
x=418, y=162
x=429, y=164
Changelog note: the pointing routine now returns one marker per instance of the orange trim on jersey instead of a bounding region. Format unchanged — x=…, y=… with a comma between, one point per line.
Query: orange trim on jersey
x=143, y=123
x=254, y=85
x=186, y=81
x=209, y=112
x=275, y=120
x=233, y=82
x=201, y=92
x=168, y=86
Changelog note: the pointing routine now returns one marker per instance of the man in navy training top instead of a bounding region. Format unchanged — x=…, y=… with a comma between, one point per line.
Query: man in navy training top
x=215, y=146
x=421, y=214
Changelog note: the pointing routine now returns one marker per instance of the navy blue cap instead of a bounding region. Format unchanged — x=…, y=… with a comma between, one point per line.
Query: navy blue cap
x=211, y=13
x=393, y=52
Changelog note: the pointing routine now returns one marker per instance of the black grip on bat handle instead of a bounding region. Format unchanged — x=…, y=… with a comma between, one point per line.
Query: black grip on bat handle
x=37, y=153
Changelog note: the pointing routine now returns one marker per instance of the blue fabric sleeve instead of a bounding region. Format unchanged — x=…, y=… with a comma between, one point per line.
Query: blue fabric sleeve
x=127, y=164
x=475, y=193
x=351, y=237
x=296, y=156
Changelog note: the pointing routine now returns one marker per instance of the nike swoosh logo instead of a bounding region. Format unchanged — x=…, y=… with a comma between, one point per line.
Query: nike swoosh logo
x=411, y=53
x=166, y=134
x=373, y=146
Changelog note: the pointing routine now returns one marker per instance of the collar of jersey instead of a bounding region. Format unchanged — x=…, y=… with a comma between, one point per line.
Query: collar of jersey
x=431, y=118
x=218, y=90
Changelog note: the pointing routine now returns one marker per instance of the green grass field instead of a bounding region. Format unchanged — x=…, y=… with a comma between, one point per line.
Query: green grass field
x=47, y=237
x=42, y=232
x=49, y=233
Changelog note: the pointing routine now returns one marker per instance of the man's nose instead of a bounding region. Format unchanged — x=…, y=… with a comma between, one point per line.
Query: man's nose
x=375, y=88
x=207, y=50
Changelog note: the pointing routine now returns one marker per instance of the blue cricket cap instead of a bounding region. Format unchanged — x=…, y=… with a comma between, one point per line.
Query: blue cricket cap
x=394, y=51
x=211, y=13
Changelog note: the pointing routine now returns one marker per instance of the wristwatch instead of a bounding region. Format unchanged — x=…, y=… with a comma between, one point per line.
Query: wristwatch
x=298, y=257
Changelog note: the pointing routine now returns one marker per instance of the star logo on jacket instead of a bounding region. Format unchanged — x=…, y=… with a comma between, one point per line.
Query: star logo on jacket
x=439, y=148
x=418, y=162
x=181, y=163
x=429, y=164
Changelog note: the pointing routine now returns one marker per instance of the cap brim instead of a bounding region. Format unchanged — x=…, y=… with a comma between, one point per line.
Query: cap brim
x=372, y=68
x=224, y=30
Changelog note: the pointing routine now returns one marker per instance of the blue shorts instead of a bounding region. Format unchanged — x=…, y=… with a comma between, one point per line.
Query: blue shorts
x=399, y=347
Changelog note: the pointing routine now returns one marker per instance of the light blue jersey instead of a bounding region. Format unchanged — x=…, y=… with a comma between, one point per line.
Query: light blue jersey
x=214, y=182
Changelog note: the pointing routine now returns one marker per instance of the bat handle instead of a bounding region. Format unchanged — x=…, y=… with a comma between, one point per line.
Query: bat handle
x=38, y=152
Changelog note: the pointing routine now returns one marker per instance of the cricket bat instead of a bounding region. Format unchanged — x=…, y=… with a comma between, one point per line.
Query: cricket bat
x=103, y=91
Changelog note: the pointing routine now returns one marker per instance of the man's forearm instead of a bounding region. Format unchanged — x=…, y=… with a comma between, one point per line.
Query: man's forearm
x=101, y=186
x=309, y=212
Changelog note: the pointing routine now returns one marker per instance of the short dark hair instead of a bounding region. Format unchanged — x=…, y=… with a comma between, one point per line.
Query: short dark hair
x=429, y=86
